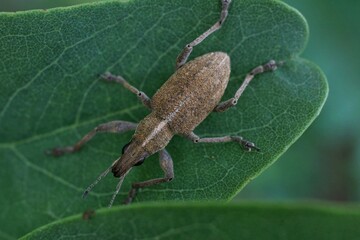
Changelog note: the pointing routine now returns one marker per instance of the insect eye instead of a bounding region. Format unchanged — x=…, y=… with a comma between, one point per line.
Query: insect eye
x=125, y=147
x=140, y=162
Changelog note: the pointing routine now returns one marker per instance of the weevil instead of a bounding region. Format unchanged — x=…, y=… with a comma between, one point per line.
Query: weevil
x=181, y=104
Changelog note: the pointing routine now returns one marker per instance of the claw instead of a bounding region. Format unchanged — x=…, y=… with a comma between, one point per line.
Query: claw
x=106, y=76
x=250, y=146
x=131, y=196
x=56, y=152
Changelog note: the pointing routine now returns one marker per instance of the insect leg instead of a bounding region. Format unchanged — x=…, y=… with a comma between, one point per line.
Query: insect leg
x=166, y=164
x=118, y=79
x=225, y=105
x=111, y=127
x=183, y=56
x=244, y=143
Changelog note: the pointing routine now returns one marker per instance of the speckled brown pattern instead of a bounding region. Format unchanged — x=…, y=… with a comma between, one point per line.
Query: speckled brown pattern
x=184, y=101
x=192, y=92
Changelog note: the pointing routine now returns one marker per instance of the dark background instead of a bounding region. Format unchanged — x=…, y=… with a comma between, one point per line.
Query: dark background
x=324, y=164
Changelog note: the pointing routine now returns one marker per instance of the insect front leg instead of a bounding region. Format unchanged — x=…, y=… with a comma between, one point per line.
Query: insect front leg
x=110, y=127
x=119, y=79
x=225, y=105
x=166, y=164
x=183, y=56
x=244, y=143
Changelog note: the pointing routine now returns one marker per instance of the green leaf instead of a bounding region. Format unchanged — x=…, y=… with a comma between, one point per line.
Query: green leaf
x=51, y=96
x=209, y=221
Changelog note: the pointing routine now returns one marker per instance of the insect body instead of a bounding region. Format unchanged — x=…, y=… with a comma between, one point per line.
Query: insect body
x=183, y=102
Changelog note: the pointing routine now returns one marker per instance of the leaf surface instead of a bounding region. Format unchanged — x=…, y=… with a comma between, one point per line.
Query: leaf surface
x=209, y=221
x=51, y=96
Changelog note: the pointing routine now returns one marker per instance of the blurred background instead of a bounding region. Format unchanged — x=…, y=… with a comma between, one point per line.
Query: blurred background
x=324, y=164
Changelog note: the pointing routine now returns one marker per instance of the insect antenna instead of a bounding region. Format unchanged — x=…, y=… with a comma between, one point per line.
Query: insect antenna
x=101, y=176
x=118, y=186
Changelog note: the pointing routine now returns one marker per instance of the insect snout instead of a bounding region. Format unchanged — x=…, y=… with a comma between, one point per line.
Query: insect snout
x=116, y=170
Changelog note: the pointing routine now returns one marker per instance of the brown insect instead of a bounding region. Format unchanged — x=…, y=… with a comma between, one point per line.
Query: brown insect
x=182, y=103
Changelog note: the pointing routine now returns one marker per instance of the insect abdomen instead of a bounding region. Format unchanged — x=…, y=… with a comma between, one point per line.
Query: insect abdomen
x=192, y=92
